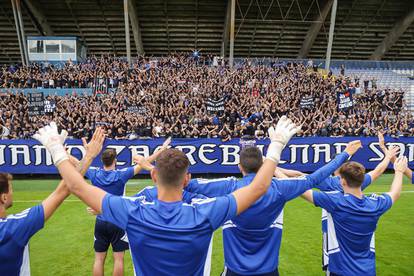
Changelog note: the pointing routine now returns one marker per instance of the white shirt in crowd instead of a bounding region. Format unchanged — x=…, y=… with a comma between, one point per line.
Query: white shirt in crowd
x=215, y=61
x=5, y=132
x=157, y=130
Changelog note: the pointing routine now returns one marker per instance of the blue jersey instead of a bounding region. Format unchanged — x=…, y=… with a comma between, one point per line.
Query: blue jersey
x=112, y=181
x=252, y=240
x=412, y=178
x=150, y=193
x=168, y=237
x=333, y=183
x=351, y=225
x=15, y=232
x=330, y=184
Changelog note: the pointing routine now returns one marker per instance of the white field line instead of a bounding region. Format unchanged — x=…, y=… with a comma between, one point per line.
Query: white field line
x=77, y=200
x=137, y=182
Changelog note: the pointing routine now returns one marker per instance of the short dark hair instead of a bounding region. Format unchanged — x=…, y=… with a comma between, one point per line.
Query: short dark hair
x=108, y=157
x=353, y=173
x=5, y=179
x=171, y=166
x=251, y=159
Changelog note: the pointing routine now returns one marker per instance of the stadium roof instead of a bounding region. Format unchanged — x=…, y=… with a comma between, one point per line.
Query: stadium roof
x=263, y=27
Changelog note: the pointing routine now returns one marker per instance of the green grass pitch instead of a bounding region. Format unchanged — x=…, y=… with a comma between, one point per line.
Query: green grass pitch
x=64, y=246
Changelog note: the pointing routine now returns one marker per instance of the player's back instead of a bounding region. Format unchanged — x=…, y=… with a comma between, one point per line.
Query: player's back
x=263, y=212
x=331, y=184
x=150, y=193
x=111, y=181
x=15, y=232
x=169, y=238
x=252, y=239
x=351, y=225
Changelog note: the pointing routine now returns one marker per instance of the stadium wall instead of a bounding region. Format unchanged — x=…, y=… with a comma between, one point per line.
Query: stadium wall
x=205, y=155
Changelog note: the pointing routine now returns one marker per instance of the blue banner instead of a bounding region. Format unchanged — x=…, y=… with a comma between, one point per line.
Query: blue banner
x=205, y=155
x=344, y=100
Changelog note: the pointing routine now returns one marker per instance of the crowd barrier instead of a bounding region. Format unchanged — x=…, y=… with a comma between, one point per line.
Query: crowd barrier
x=205, y=155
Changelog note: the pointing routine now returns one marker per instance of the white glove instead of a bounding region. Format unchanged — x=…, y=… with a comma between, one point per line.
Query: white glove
x=279, y=137
x=53, y=142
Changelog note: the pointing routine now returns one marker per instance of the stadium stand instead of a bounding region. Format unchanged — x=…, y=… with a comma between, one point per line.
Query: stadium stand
x=129, y=75
x=379, y=77
x=263, y=28
x=265, y=33
x=185, y=97
x=384, y=79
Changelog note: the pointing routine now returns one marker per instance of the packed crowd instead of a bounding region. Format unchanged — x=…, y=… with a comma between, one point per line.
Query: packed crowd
x=167, y=97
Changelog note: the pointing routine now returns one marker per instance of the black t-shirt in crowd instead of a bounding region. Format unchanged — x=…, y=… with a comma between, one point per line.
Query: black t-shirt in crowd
x=249, y=131
x=147, y=131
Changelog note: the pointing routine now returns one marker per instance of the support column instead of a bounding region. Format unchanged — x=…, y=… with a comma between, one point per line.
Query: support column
x=136, y=30
x=225, y=37
x=18, y=32
x=314, y=29
x=331, y=33
x=232, y=19
x=127, y=39
x=39, y=17
x=23, y=36
x=394, y=34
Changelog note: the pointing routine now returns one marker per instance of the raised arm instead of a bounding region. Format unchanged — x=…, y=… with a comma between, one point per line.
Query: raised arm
x=279, y=174
x=212, y=187
x=155, y=155
x=289, y=173
x=89, y=194
x=279, y=138
x=383, y=165
x=308, y=196
x=138, y=159
x=53, y=201
x=332, y=166
x=400, y=166
x=293, y=187
x=319, y=179
x=408, y=172
x=53, y=142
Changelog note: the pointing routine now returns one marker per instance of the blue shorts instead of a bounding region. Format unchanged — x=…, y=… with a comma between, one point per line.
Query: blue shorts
x=228, y=272
x=108, y=234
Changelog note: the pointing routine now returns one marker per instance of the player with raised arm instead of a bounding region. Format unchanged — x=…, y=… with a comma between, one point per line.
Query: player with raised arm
x=408, y=172
x=352, y=218
x=113, y=181
x=150, y=193
x=252, y=240
x=168, y=236
x=333, y=183
x=17, y=229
